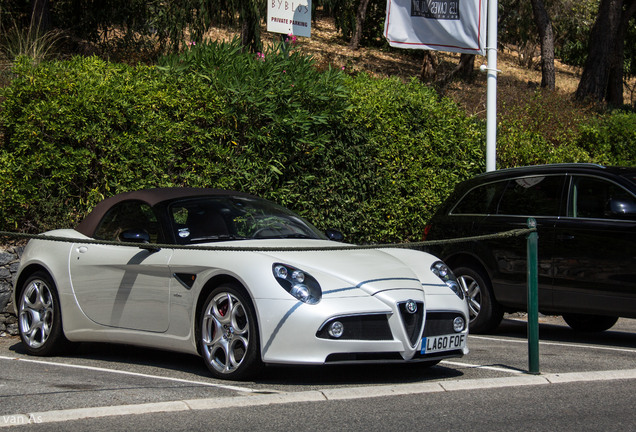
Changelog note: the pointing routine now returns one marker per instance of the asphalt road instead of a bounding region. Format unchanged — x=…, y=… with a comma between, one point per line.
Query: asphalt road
x=586, y=383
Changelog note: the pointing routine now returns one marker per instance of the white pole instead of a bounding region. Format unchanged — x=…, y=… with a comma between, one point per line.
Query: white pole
x=491, y=100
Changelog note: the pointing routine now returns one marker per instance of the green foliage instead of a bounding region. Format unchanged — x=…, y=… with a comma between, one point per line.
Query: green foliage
x=573, y=22
x=611, y=139
x=371, y=157
x=543, y=129
x=421, y=146
x=80, y=130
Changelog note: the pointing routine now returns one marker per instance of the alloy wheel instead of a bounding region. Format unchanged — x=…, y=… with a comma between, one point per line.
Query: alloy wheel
x=37, y=312
x=225, y=333
x=473, y=294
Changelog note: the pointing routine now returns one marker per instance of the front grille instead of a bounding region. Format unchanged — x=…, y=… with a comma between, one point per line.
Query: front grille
x=360, y=327
x=440, y=323
x=412, y=321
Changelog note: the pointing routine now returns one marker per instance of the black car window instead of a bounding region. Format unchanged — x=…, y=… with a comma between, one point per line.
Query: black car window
x=532, y=196
x=481, y=200
x=125, y=216
x=596, y=198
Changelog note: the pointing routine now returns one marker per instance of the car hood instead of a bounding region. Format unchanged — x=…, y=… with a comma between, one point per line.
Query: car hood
x=367, y=270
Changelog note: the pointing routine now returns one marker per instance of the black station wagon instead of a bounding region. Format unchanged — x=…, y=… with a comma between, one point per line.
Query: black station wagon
x=586, y=221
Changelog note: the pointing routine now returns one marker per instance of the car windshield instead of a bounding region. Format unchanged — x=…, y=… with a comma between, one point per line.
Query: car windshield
x=219, y=218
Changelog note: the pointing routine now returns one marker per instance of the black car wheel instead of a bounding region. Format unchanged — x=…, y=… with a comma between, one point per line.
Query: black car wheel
x=228, y=335
x=39, y=316
x=589, y=323
x=485, y=312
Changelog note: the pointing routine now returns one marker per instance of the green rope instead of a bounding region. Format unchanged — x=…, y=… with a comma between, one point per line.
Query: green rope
x=335, y=247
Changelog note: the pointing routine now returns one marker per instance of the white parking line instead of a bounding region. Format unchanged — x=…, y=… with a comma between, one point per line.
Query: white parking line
x=563, y=344
x=115, y=371
x=473, y=366
x=312, y=396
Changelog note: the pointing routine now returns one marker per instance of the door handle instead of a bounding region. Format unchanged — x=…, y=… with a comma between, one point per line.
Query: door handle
x=565, y=237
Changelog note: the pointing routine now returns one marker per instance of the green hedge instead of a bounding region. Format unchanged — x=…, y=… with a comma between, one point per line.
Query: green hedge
x=371, y=157
x=611, y=139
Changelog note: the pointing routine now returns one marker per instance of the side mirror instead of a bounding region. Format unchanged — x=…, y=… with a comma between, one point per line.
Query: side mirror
x=334, y=235
x=135, y=236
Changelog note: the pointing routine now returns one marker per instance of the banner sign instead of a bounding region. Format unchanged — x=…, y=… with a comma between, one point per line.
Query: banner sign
x=441, y=25
x=289, y=17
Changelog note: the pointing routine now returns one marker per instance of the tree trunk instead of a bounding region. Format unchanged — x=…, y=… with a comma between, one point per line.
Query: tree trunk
x=466, y=67
x=464, y=70
x=250, y=26
x=617, y=61
x=360, y=17
x=595, y=77
x=429, y=66
x=542, y=19
x=40, y=15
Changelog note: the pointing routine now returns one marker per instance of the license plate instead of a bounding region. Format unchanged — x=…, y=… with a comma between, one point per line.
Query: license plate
x=433, y=344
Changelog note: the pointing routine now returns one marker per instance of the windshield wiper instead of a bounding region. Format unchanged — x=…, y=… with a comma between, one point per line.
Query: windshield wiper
x=215, y=238
x=296, y=235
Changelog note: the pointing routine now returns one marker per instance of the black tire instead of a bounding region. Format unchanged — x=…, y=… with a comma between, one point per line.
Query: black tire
x=40, y=316
x=485, y=313
x=228, y=334
x=589, y=323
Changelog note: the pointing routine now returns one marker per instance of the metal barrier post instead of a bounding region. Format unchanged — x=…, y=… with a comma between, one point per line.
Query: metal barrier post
x=533, y=299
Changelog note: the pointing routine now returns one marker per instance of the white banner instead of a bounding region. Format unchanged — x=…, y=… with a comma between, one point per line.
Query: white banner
x=441, y=25
x=289, y=17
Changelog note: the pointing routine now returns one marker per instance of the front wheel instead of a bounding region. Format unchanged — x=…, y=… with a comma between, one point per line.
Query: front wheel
x=228, y=336
x=589, y=323
x=40, y=317
x=485, y=312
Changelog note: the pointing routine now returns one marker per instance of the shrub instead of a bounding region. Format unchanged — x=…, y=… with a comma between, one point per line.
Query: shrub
x=79, y=130
x=371, y=157
x=542, y=129
x=611, y=139
x=421, y=146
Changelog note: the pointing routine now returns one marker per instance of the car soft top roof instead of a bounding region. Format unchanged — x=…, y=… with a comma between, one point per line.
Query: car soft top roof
x=150, y=196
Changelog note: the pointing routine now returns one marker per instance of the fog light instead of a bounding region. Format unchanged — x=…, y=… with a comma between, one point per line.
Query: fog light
x=459, y=324
x=336, y=329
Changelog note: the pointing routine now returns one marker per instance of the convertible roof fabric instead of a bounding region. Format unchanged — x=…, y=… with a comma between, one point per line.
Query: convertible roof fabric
x=150, y=196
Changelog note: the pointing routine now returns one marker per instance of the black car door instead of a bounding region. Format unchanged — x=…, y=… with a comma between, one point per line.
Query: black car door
x=595, y=255
x=539, y=197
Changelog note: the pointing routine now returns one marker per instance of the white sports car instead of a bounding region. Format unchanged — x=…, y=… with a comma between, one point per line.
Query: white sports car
x=236, y=279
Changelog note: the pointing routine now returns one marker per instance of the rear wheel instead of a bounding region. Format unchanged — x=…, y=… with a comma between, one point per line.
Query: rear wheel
x=485, y=312
x=228, y=335
x=40, y=317
x=589, y=323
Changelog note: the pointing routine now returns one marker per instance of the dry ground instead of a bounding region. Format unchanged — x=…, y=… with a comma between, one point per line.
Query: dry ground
x=515, y=83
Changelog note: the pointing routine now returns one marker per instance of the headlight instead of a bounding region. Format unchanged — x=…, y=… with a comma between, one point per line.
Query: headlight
x=298, y=283
x=443, y=272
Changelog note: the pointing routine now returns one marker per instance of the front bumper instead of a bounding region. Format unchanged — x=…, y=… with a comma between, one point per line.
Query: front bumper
x=377, y=328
